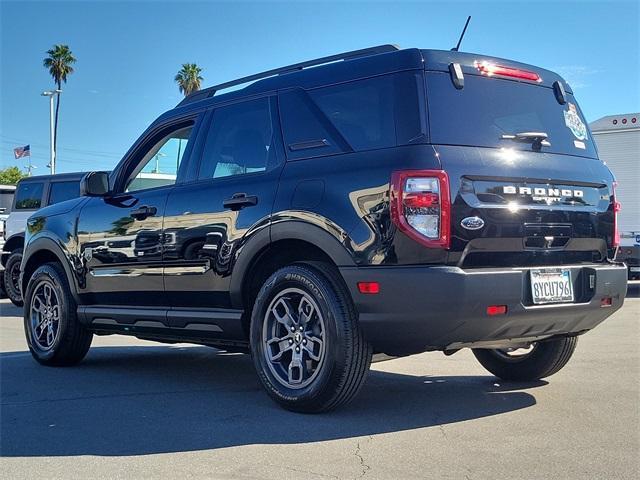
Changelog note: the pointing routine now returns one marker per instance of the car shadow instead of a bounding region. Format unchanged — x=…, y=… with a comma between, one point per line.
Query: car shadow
x=143, y=400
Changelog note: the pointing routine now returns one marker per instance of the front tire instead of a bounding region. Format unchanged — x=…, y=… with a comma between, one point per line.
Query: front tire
x=543, y=360
x=11, y=276
x=54, y=334
x=306, y=344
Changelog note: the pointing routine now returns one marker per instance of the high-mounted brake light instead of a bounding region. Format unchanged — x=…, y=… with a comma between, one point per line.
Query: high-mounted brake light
x=617, y=206
x=421, y=207
x=490, y=69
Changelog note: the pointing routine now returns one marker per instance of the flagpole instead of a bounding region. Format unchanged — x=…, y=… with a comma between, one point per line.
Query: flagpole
x=29, y=167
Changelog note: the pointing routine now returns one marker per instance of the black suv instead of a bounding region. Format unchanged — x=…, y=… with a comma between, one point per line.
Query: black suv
x=385, y=201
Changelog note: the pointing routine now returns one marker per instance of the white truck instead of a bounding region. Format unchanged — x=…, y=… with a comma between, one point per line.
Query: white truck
x=618, y=140
x=6, y=201
x=31, y=194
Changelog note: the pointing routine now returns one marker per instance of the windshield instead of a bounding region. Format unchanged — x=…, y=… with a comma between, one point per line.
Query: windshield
x=488, y=108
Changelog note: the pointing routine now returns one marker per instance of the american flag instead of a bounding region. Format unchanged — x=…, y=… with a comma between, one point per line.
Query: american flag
x=22, y=151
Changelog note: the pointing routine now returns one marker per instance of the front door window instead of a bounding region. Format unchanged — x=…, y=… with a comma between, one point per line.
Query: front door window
x=159, y=166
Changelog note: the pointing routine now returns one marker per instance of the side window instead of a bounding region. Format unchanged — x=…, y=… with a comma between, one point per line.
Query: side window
x=361, y=115
x=29, y=196
x=159, y=165
x=307, y=132
x=362, y=111
x=61, y=191
x=240, y=140
x=6, y=200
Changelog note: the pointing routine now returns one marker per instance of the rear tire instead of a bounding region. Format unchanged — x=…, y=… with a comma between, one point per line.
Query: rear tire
x=545, y=359
x=305, y=308
x=11, y=276
x=54, y=334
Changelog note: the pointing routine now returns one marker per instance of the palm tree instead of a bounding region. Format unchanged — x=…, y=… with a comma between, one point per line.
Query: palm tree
x=59, y=64
x=188, y=78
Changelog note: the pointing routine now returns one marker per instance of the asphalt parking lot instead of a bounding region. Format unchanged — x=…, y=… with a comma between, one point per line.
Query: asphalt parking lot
x=136, y=409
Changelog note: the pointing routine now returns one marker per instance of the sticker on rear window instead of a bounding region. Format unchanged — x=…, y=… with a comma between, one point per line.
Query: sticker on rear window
x=573, y=121
x=579, y=144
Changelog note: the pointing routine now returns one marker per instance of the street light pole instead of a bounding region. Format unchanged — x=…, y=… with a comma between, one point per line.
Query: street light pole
x=52, y=132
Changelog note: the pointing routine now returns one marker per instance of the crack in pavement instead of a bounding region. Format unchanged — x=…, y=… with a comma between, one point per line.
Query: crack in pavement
x=309, y=472
x=363, y=465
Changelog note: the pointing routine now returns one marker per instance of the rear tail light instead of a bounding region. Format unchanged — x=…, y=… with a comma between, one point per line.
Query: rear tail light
x=616, y=208
x=370, y=288
x=420, y=206
x=489, y=69
x=606, y=302
x=496, y=310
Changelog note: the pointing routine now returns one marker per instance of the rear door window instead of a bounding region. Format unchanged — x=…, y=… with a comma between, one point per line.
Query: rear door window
x=241, y=140
x=61, y=191
x=29, y=195
x=487, y=108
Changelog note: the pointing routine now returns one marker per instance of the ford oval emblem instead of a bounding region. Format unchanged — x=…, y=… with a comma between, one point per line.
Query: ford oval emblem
x=472, y=223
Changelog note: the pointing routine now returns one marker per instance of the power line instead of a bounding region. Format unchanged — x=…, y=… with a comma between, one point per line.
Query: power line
x=70, y=150
x=13, y=141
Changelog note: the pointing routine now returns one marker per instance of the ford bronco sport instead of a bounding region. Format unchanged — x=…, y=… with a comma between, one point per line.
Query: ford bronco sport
x=385, y=201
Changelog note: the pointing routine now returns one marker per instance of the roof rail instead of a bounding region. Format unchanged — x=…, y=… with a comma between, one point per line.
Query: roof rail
x=364, y=52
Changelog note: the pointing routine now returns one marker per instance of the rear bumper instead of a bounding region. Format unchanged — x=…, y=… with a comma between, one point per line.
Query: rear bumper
x=443, y=308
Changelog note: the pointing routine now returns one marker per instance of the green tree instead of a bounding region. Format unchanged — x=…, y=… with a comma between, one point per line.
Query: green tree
x=59, y=64
x=121, y=225
x=11, y=175
x=188, y=78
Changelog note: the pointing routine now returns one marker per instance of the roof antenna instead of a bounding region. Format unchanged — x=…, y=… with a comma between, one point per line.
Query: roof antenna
x=455, y=49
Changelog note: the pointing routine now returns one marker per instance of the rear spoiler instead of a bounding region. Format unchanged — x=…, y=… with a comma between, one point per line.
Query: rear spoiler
x=477, y=64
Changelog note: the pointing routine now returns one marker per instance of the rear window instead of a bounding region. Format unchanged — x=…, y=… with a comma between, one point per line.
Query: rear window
x=61, y=191
x=487, y=108
x=29, y=195
x=368, y=114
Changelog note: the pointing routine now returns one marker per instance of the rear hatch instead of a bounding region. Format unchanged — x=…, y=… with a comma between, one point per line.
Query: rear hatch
x=527, y=187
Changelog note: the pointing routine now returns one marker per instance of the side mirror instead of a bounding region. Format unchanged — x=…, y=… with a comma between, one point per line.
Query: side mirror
x=94, y=184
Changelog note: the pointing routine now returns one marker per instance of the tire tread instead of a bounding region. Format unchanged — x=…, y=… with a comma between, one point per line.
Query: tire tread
x=548, y=359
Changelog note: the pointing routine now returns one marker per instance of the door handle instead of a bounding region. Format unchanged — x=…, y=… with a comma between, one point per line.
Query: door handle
x=143, y=212
x=240, y=200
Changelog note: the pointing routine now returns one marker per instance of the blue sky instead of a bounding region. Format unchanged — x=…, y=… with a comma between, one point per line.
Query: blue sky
x=129, y=52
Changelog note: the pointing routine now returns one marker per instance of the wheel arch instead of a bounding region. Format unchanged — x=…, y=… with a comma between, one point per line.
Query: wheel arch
x=13, y=242
x=287, y=242
x=44, y=250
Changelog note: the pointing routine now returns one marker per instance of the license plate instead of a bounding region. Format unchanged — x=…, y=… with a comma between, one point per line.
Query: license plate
x=551, y=285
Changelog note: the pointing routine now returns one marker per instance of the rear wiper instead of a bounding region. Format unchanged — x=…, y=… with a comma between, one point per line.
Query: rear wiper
x=536, y=139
